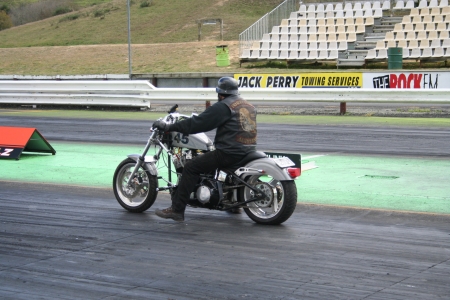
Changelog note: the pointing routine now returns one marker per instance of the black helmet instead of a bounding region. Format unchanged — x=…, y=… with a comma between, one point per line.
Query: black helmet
x=227, y=86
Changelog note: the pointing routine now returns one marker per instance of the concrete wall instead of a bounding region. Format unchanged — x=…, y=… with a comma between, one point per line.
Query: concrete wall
x=182, y=80
x=164, y=80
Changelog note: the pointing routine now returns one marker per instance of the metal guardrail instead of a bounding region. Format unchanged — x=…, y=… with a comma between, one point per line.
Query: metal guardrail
x=310, y=95
x=66, y=77
x=77, y=92
x=140, y=93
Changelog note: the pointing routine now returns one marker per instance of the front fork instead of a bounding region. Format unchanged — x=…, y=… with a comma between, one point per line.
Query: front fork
x=139, y=163
x=141, y=159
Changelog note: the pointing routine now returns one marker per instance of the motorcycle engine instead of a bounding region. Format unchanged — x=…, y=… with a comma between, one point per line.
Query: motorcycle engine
x=180, y=159
x=203, y=194
x=206, y=193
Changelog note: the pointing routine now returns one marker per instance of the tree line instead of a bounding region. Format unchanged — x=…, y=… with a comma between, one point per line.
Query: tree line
x=31, y=12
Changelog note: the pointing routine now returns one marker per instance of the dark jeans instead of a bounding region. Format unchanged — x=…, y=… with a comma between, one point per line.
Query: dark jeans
x=201, y=164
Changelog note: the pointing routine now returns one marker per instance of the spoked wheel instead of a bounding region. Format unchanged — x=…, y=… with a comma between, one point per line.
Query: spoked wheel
x=141, y=193
x=278, y=204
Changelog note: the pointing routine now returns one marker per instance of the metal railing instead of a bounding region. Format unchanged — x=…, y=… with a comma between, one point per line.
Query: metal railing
x=310, y=95
x=140, y=93
x=76, y=92
x=264, y=25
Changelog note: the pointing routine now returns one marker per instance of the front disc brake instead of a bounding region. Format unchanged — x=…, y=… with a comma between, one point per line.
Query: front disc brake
x=134, y=188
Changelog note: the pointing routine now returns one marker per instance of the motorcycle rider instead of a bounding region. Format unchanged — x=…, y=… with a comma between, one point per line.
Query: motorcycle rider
x=235, y=120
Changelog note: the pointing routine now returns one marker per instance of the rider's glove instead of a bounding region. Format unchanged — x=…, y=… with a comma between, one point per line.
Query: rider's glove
x=161, y=126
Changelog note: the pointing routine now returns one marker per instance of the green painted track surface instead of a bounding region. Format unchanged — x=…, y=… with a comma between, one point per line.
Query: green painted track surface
x=376, y=182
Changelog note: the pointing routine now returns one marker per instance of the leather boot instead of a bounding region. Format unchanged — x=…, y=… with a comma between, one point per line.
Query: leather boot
x=169, y=213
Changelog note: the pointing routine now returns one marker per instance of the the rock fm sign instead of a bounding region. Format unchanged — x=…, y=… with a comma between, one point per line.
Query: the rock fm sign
x=406, y=81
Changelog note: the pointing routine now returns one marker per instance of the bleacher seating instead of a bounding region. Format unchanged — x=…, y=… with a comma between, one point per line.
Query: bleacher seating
x=424, y=34
x=317, y=31
x=409, y=4
x=322, y=31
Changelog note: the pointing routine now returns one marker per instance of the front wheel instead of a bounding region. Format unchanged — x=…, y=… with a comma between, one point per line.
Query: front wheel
x=278, y=204
x=141, y=193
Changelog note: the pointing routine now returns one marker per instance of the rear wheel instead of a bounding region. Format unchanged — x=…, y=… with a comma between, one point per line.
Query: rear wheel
x=278, y=204
x=141, y=193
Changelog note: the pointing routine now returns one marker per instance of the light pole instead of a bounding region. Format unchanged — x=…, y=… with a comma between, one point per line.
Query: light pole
x=129, y=39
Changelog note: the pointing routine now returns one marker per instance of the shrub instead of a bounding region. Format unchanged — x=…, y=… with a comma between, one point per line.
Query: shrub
x=5, y=8
x=101, y=13
x=69, y=18
x=5, y=20
x=145, y=3
x=62, y=10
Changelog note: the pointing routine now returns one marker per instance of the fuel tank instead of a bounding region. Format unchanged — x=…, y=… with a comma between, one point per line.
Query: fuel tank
x=198, y=141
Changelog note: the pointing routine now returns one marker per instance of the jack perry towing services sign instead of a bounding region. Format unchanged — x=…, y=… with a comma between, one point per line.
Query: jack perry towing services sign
x=309, y=80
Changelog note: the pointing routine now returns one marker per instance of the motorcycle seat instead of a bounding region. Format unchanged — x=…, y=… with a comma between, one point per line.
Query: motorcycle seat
x=248, y=158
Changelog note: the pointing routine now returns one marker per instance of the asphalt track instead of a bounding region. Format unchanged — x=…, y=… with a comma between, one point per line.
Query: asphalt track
x=403, y=141
x=69, y=239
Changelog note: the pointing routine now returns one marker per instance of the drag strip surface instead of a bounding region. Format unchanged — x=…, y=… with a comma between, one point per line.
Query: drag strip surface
x=291, y=138
x=77, y=243
x=69, y=242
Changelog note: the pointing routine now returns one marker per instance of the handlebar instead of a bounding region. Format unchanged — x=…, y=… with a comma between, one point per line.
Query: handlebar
x=173, y=109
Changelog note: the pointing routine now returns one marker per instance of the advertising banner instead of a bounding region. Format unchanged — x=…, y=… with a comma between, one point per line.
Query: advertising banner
x=304, y=80
x=407, y=80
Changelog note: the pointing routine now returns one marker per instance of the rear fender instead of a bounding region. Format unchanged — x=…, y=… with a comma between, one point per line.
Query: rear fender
x=149, y=163
x=269, y=167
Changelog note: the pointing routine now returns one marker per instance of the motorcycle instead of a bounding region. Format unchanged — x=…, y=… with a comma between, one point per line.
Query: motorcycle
x=263, y=186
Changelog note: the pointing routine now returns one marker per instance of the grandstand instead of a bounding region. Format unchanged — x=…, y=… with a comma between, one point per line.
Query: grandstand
x=353, y=33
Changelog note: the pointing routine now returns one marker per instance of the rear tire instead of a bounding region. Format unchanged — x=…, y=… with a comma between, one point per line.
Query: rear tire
x=141, y=194
x=277, y=207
